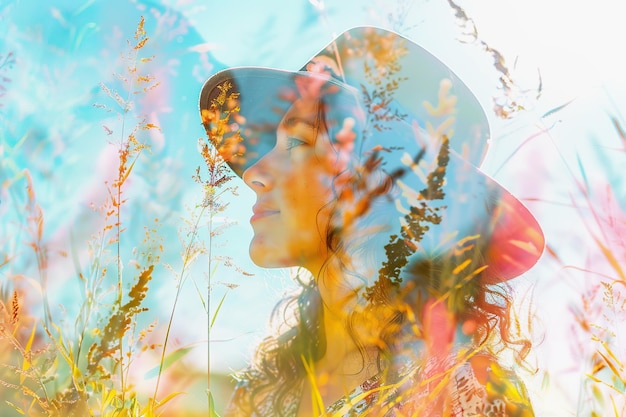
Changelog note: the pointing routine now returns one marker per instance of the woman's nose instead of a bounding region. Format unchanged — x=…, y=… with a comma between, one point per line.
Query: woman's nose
x=258, y=176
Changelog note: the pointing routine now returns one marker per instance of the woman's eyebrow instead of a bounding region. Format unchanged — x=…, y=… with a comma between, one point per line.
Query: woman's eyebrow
x=293, y=120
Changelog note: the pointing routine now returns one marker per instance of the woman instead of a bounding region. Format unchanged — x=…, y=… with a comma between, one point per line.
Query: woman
x=364, y=165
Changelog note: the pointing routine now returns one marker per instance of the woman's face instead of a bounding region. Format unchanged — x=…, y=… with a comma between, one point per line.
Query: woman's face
x=293, y=183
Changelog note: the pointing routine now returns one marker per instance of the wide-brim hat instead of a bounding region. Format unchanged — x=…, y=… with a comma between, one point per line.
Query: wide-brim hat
x=404, y=105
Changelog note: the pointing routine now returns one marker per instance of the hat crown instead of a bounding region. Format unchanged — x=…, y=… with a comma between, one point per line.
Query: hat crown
x=395, y=75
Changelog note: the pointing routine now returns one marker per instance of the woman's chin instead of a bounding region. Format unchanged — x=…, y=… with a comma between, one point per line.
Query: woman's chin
x=266, y=257
x=264, y=263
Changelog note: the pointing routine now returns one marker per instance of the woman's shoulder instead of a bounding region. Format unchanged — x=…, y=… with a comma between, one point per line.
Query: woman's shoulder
x=240, y=398
x=465, y=385
x=491, y=388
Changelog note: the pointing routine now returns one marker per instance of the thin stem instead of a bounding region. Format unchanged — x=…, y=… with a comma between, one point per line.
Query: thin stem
x=208, y=302
x=119, y=277
x=124, y=147
x=178, y=291
x=43, y=276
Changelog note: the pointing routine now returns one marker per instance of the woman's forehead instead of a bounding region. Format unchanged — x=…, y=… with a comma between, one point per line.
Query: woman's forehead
x=303, y=111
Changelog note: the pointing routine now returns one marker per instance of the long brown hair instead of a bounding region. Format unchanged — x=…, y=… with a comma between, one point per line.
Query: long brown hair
x=277, y=366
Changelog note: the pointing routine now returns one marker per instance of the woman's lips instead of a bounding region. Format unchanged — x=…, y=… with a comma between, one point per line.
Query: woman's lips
x=261, y=212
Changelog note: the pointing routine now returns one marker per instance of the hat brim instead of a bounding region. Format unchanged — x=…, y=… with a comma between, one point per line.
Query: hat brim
x=242, y=107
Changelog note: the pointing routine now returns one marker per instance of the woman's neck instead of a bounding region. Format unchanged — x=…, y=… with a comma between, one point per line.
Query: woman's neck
x=347, y=352
x=351, y=354
x=344, y=366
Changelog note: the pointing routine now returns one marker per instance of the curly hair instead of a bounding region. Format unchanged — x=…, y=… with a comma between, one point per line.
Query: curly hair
x=278, y=367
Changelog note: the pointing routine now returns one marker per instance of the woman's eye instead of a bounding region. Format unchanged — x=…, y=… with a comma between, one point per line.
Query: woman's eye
x=293, y=142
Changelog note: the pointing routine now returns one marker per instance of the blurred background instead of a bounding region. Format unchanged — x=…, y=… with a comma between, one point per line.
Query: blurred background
x=548, y=73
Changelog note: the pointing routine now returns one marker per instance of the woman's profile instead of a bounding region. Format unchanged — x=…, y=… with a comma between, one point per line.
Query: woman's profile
x=364, y=164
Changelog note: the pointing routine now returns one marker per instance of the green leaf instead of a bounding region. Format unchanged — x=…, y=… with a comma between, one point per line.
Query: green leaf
x=219, y=306
x=168, y=361
x=212, y=412
x=582, y=172
x=556, y=109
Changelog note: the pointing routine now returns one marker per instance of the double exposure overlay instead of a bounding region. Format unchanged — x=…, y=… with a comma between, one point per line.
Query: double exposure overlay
x=311, y=208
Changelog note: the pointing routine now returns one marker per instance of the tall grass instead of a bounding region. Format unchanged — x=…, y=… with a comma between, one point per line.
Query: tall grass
x=601, y=313
x=92, y=366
